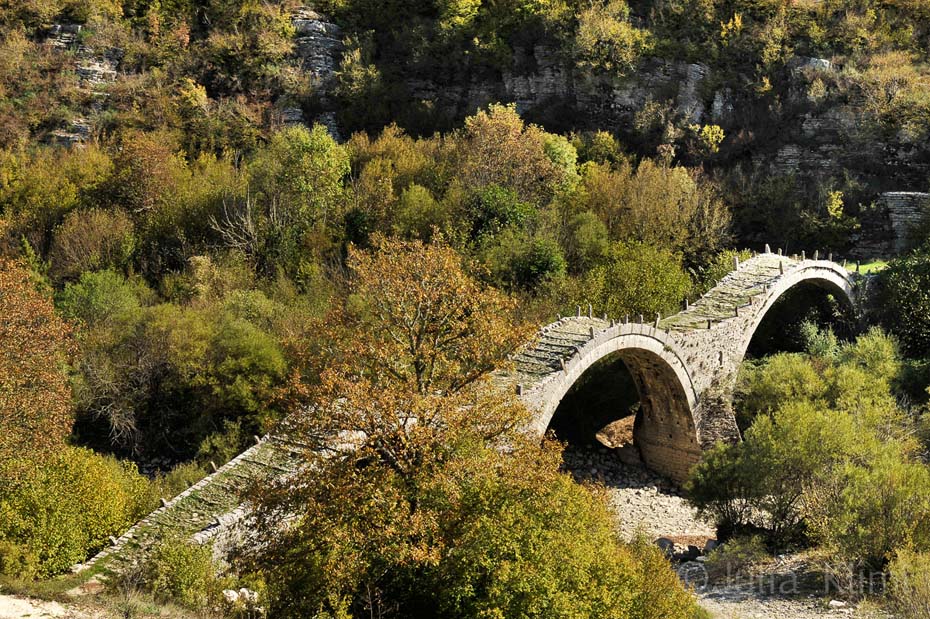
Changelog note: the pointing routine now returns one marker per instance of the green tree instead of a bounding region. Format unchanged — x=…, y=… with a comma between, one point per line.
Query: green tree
x=300, y=173
x=606, y=41
x=636, y=279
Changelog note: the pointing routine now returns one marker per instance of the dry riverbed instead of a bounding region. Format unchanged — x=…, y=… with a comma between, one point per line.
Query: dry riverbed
x=649, y=504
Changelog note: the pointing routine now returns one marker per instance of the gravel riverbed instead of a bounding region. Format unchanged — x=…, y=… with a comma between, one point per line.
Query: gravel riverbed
x=646, y=503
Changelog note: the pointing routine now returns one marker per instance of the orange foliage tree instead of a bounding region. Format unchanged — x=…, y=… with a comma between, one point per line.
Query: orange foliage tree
x=407, y=360
x=35, y=397
x=420, y=497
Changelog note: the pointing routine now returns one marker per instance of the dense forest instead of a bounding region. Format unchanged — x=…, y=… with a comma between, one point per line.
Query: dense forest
x=223, y=215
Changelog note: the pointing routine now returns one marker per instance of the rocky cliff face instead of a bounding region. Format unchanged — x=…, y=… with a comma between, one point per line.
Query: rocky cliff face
x=319, y=48
x=817, y=132
x=95, y=69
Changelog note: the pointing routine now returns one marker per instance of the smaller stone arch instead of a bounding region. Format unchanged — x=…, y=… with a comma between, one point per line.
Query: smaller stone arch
x=824, y=274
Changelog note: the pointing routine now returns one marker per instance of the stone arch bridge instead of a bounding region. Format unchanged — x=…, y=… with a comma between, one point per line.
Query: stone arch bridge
x=675, y=362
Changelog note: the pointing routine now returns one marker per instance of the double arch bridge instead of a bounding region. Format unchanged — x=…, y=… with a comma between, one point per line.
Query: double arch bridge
x=676, y=362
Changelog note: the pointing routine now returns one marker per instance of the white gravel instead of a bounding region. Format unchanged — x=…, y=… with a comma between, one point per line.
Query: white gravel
x=644, y=502
x=15, y=607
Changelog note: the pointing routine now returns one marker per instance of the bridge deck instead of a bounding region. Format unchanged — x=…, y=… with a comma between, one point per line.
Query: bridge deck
x=558, y=342
x=198, y=510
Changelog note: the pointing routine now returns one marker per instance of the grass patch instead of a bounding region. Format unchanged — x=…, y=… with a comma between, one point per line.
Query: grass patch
x=50, y=589
x=865, y=268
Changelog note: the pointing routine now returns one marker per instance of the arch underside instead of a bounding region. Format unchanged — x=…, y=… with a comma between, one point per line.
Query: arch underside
x=838, y=287
x=664, y=431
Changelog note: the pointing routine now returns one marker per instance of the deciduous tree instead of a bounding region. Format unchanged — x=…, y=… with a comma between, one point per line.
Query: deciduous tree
x=35, y=398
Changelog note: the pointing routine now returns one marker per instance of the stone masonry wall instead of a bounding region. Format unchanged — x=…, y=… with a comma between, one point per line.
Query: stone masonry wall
x=906, y=211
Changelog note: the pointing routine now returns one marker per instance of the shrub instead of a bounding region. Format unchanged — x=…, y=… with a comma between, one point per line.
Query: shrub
x=495, y=208
x=17, y=561
x=606, y=41
x=764, y=387
x=909, y=584
x=764, y=482
x=735, y=557
x=587, y=243
x=99, y=298
x=182, y=571
x=819, y=342
x=91, y=240
x=70, y=505
x=904, y=301
x=520, y=260
x=418, y=213
x=719, y=267
x=664, y=206
x=883, y=504
x=173, y=375
x=178, y=479
x=829, y=457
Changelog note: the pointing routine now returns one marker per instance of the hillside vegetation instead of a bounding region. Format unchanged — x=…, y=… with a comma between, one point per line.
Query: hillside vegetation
x=218, y=215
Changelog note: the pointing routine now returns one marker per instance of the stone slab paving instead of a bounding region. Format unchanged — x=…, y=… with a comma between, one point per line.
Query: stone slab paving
x=202, y=509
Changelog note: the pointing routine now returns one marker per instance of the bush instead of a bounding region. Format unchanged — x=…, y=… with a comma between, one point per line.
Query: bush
x=719, y=267
x=495, y=208
x=99, y=298
x=17, y=561
x=909, y=584
x=418, y=213
x=637, y=279
x=587, y=243
x=178, y=479
x=664, y=206
x=69, y=507
x=91, y=240
x=606, y=41
x=735, y=557
x=172, y=376
x=183, y=572
x=883, y=504
x=904, y=301
x=764, y=387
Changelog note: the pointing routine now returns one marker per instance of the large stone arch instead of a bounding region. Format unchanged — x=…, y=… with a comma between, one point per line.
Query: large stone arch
x=665, y=433
x=679, y=363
